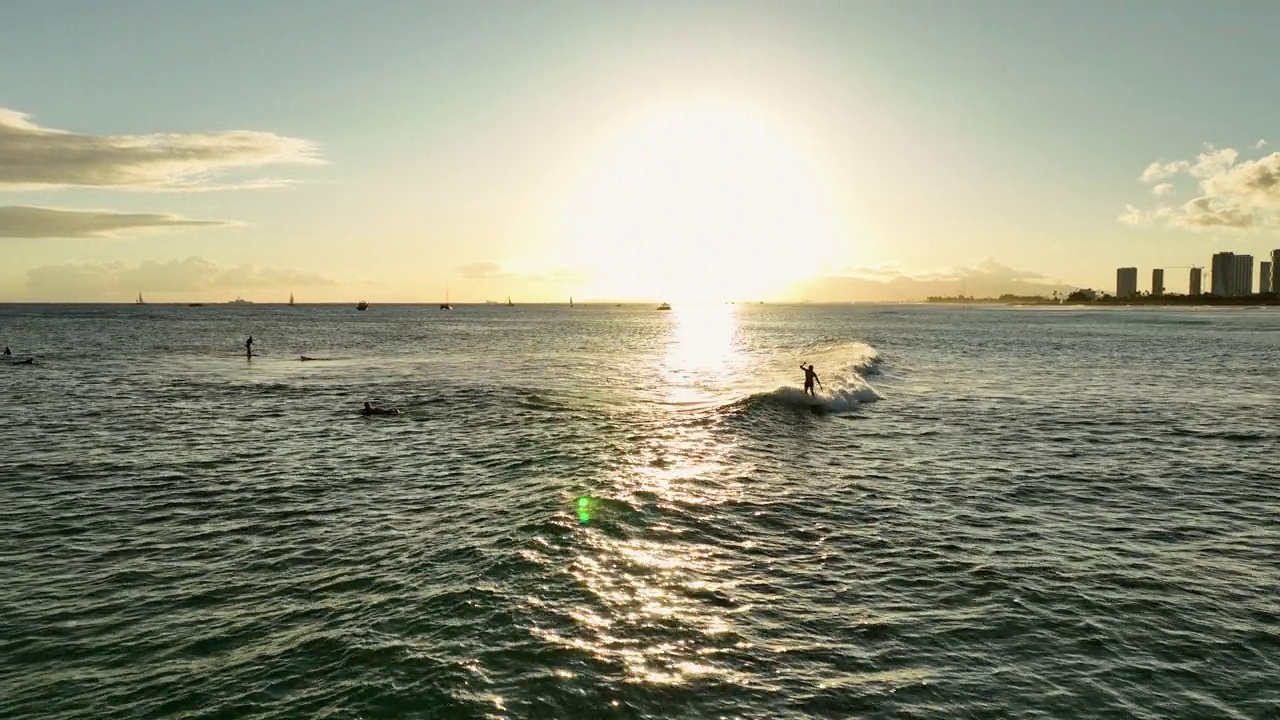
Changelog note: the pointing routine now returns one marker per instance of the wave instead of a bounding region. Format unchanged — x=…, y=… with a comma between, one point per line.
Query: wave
x=843, y=369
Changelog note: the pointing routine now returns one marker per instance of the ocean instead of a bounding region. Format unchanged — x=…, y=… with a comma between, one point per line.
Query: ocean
x=616, y=512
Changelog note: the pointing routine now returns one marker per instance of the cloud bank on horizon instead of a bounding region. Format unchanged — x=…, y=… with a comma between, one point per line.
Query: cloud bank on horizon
x=1227, y=193
x=194, y=275
x=887, y=283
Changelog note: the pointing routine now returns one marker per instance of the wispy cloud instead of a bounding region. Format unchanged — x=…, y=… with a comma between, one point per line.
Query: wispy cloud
x=487, y=270
x=108, y=281
x=1260, y=144
x=1231, y=194
x=35, y=156
x=19, y=221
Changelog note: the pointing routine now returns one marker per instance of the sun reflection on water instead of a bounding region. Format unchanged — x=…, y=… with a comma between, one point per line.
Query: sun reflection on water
x=703, y=355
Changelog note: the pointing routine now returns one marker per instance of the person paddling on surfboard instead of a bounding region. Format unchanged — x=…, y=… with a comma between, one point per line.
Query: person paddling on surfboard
x=809, y=378
x=7, y=351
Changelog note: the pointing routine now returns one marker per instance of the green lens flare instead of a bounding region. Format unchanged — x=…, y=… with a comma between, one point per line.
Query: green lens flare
x=584, y=510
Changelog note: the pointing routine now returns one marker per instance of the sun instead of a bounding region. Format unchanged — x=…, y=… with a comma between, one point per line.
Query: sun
x=699, y=204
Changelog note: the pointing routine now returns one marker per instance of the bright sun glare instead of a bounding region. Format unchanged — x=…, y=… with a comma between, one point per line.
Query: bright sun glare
x=704, y=204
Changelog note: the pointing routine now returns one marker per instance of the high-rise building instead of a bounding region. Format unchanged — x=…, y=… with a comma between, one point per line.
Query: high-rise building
x=1264, y=277
x=1195, y=281
x=1222, y=270
x=1243, y=271
x=1126, y=282
x=1275, y=271
x=1157, y=282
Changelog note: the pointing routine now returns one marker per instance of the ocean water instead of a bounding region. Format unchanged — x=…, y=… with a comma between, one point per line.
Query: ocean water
x=614, y=512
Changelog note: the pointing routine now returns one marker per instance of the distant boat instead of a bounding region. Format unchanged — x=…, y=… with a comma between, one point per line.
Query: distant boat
x=445, y=305
x=290, y=299
x=570, y=301
x=509, y=303
x=195, y=304
x=362, y=305
x=240, y=301
x=664, y=306
x=139, y=300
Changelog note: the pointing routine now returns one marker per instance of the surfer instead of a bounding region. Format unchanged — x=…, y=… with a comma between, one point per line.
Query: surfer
x=7, y=351
x=248, y=347
x=810, y=377
x=370, y=409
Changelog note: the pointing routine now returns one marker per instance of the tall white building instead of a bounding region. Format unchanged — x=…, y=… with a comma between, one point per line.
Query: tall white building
x=1265, y=277
x=1195, y=281
x=1222, y=271
x=1126, y=282
x=1157, y=282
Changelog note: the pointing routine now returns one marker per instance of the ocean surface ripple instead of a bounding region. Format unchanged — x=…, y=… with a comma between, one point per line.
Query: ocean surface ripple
x=611, y=512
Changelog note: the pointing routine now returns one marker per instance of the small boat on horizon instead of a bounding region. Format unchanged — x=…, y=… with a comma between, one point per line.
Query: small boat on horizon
x=445, y=305
x=195, y=304
x=664, y=306
x=139, y=300
x=362, y=305
x=239, y=301
x=290, y=299
x=509, y=303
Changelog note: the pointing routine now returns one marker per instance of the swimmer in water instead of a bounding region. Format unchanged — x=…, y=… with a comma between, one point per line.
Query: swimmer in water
x=809, y=378
x=370, y=409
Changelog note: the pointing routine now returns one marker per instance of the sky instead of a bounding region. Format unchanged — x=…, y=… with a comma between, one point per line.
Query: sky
x=399, y=151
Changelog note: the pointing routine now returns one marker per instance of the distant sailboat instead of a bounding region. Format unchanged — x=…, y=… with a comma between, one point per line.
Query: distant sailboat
x=290, y=299
x=570, y=301
x=139, y=300
x=509, y=303
x=445, y=305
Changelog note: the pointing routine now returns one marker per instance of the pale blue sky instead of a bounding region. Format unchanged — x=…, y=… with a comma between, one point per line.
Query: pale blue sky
x=453, y=134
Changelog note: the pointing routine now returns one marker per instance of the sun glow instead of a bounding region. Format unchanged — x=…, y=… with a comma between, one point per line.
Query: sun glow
x=708, y=203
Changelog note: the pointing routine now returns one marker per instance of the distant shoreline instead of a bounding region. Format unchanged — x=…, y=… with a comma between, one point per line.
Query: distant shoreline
x=1257, y=300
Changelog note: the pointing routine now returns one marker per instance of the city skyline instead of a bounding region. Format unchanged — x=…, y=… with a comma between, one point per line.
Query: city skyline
x=1230, y=275
x=670, y=151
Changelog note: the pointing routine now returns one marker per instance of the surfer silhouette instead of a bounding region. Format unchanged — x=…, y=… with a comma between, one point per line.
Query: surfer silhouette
x=248, y=347
x=7, y=351
x=810, y=377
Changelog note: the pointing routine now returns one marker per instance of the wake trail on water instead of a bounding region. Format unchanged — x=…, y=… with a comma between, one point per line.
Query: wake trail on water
x=842, y=368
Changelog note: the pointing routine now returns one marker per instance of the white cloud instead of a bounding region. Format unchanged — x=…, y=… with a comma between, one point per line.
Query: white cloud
x=1233, y=195
x=1260, y=144
x=18, y=221
x=1213, y=162
x=34, y=156
x=114, y=281
x=1251, y=184
x=1203, y=212
x=1159, y=171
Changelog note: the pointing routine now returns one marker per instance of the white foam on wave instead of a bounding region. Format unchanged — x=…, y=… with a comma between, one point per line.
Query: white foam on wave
x=842, y=369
